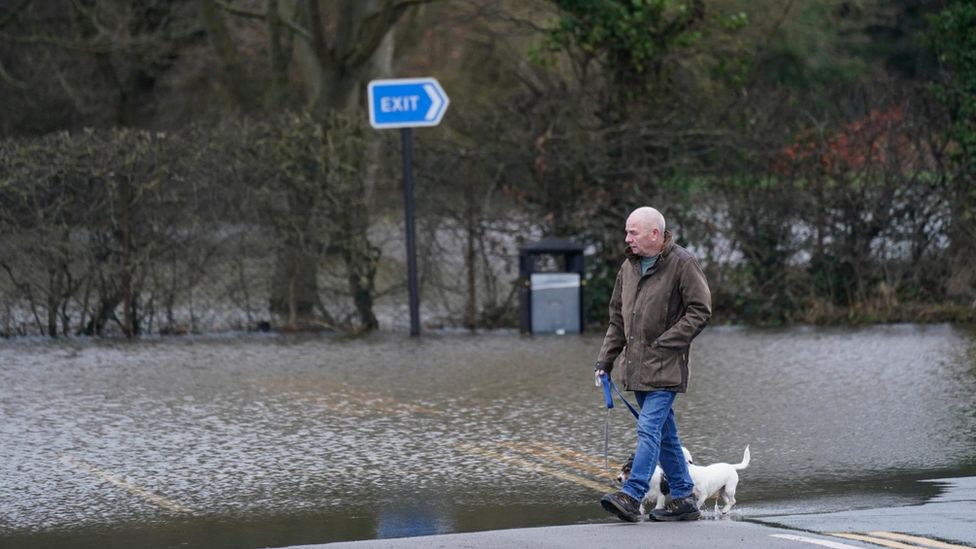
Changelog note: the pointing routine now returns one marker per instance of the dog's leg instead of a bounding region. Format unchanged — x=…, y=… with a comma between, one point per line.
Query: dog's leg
x=729, y=502
x=729, y=491
x=662, y=500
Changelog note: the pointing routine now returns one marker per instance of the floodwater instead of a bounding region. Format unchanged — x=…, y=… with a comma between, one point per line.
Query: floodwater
x=256, y=441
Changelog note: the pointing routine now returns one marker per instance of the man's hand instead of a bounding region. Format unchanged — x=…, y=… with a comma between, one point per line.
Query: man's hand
x=598, y=374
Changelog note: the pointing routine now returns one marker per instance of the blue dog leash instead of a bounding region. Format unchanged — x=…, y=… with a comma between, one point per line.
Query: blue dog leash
x=608, y=384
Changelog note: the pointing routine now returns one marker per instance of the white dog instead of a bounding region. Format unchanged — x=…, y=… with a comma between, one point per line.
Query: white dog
x=658, y=493
x=718, y=480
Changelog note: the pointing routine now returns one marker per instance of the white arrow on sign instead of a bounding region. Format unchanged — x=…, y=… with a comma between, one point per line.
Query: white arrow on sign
x=435, y=101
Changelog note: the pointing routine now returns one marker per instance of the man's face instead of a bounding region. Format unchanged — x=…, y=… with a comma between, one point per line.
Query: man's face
x=642, y=240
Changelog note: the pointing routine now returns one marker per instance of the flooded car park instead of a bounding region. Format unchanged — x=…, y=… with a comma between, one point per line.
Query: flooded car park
x=254, y=441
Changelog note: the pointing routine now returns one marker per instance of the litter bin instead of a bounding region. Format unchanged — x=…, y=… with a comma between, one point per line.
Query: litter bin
x=555, y=303
x=551, y=296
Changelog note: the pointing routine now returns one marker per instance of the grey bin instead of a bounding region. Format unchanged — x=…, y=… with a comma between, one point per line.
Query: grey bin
x=551, y=282
x=555, y=303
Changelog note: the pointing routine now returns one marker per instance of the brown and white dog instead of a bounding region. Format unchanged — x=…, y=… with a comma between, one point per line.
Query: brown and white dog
x=658, y=491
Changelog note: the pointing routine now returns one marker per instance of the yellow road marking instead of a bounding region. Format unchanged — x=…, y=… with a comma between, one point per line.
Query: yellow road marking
x=917, y=540
x=555, y=453
x=360, y=408
x=125, y=485
x=562, y=475
x=814, y=541
x=874, y=540
x=341, y=397
x=614, y=465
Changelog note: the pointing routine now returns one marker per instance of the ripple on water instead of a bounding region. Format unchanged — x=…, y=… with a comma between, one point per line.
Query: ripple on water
x=239, y=426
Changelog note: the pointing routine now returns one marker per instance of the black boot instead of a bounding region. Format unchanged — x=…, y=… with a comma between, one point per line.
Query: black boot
x=678, y=509
x=622, y=505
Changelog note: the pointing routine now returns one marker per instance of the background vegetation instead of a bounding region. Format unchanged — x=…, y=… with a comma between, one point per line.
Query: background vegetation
x=198, y=165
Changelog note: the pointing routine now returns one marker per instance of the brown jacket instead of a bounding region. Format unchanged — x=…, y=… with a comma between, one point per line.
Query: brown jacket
x=654, y=318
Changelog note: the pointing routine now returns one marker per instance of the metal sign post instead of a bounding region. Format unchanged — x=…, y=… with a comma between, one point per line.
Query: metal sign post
x=406, y=103
x=406, y=141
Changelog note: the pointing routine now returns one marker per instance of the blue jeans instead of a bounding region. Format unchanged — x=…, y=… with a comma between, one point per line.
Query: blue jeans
x=657, y=440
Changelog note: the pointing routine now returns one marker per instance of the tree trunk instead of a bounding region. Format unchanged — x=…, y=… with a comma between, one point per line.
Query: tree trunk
x=127, y=303
x=294, y=286
x=962, y=242
x=358, y=253
x=53, y=299
x=471, y=312
x=361, y=258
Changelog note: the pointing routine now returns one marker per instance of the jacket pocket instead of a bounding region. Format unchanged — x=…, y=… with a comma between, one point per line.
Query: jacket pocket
x=661, y=366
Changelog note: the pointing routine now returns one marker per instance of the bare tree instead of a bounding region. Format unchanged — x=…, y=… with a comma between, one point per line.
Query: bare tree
x=336, y=48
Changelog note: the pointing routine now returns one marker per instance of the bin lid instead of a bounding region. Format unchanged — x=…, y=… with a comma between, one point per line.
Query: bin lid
x=552, y=244
x=554, y=281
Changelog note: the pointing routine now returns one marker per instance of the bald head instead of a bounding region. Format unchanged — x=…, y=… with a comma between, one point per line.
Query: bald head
x=645, y=231
x=648, y=218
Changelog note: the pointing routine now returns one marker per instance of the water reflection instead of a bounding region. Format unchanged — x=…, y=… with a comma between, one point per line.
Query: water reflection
x=413, y=519
x=306, y=440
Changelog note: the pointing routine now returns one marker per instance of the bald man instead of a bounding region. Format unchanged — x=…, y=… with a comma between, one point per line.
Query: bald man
x=660, y=303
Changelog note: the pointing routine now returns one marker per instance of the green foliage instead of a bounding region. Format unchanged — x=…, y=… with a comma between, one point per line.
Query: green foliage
x=953, y=38
x=805, y=55
x=636, y=41
x=955, y=43
x=599, y=289
x=630, y=37
x=735, y=22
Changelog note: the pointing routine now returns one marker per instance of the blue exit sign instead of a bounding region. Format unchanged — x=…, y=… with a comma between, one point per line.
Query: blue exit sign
x=406, y=103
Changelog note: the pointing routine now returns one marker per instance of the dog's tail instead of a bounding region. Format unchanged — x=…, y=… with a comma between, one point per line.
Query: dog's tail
x=745, y=461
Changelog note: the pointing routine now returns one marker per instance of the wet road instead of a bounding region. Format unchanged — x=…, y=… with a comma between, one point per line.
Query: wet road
x=273, y=441
x=947, y=522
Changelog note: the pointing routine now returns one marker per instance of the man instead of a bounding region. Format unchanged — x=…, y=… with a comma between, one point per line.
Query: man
x=660, y=303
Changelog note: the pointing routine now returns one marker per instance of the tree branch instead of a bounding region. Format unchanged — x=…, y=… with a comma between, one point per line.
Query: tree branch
x=317, y=23
x=244, y=12
x=13, y=12
x=11, y=80
x=374, y=28
x=255, y=14
x=95, y=46
x=235, y=77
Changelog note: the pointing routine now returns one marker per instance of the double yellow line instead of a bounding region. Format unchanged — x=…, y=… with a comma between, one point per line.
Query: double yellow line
x=120, y=482
x=337, y=397
x=340, y=397
x=897, y=541
x=538, y=452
